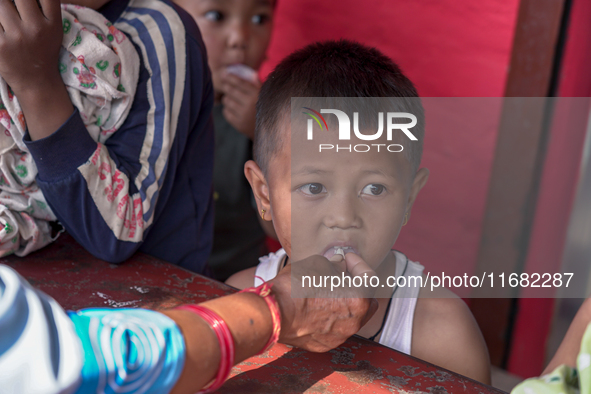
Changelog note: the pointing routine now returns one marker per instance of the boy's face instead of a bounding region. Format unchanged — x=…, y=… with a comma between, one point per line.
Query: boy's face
x=320, y=200
x=234, y=31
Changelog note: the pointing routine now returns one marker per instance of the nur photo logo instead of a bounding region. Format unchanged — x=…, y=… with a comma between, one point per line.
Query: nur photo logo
x=344, y=129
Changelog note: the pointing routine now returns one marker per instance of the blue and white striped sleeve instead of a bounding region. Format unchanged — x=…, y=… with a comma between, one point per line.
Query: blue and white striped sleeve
x=43, y=350
x=106, y=195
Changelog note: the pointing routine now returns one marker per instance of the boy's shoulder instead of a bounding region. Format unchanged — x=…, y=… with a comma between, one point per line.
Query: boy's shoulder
x=242, y=279
x=268, y=268
x=445, y=333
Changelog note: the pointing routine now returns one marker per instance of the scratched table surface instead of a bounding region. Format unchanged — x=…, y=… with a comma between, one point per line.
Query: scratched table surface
x=68, y=273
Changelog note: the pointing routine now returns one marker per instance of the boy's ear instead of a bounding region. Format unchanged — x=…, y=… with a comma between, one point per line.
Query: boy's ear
x=260, y=188
x=420, y=180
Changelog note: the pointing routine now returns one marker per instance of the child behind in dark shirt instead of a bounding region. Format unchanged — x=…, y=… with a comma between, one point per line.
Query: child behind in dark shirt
x=236, y=34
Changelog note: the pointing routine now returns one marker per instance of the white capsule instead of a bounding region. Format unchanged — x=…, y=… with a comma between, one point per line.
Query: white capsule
x=342, y=250
x=243, y=72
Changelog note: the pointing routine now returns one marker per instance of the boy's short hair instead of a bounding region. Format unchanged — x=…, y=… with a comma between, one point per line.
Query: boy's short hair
x=330, y=69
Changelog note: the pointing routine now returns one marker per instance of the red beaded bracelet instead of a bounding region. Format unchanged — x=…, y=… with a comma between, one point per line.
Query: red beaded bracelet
x=264, y=291
x=224, y=336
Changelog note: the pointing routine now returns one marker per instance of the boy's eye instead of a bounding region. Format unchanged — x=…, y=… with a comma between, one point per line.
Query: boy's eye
x=260, y=19
x=375, y=189
x=214, y=16
x=312, y=188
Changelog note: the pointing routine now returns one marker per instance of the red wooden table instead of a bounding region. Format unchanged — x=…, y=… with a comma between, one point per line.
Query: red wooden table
x=78, y=280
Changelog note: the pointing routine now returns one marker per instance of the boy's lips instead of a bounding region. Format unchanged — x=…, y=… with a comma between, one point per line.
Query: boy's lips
x=337, y=247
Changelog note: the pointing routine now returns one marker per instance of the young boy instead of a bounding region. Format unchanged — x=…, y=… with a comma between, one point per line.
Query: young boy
x=149, y=186
x=236, y=34
x=353, y=202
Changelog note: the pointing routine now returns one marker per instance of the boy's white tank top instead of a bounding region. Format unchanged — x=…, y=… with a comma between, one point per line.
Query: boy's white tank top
x=397, y=331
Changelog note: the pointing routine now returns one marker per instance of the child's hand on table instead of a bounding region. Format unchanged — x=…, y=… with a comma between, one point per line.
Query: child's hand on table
x=239, y=100
x=30, y=40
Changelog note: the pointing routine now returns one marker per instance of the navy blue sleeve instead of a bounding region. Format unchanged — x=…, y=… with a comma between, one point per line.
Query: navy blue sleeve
x=109, y=196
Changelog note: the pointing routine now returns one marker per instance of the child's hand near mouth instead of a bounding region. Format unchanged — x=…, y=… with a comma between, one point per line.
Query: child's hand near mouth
x=239, y=100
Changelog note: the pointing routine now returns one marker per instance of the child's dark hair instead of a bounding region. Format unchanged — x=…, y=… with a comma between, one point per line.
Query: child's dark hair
x=329, y=69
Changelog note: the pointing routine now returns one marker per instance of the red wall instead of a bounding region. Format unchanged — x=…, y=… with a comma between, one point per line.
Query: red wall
x=448, y=48
x=557, y=191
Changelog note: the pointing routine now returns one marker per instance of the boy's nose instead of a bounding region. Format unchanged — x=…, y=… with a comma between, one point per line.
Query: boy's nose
x=239, y=34
x=343, y=213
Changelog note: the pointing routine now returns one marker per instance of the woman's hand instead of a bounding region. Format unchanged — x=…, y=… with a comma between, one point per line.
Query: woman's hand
x=319, y=324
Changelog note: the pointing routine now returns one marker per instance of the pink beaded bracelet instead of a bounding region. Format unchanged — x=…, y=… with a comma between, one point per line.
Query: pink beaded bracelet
x=224, y=336
x=264, y=291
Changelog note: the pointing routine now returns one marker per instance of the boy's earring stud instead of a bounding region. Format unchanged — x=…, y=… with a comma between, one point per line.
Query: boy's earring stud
x=405, y=219
x=263, y=214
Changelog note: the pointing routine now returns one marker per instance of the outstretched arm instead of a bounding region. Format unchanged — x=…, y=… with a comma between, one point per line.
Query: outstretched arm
x=142, y=348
